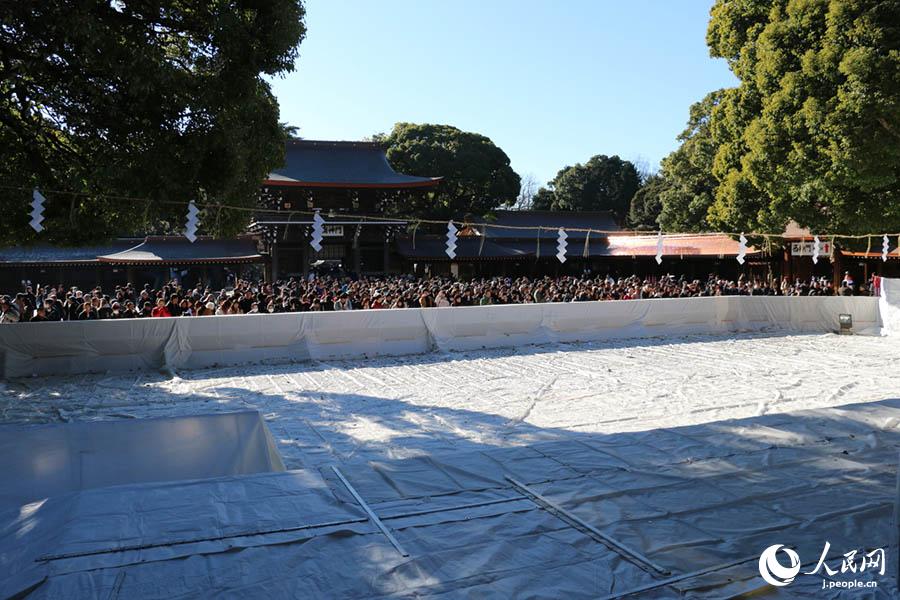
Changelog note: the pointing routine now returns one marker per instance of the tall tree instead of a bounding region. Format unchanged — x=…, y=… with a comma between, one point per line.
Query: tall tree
x=646, y=205
x=477, y=175
x=602, y=183
x=155, y=100
x=812, y=133
x=542, y=200
x=688, y=172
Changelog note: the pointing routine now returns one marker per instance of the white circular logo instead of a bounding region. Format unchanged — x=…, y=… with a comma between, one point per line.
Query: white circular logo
x=773, y=571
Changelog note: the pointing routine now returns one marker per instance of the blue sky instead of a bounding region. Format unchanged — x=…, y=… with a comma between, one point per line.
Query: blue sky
x=551, y=82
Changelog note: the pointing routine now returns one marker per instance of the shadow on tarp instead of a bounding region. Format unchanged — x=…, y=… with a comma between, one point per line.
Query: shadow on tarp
x=688, y=498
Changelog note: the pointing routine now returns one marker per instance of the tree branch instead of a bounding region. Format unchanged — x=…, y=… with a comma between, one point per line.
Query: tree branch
x=888, y=127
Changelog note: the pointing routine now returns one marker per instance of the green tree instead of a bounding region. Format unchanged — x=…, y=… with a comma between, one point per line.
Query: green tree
x=477, y=175
x=542, y=200
x=155, y=100
x=690, y=187
x=646, y=204
x=602, y=183
x=812, y=133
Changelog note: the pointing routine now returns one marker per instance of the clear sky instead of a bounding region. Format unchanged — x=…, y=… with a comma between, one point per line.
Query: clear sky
x=552, y=82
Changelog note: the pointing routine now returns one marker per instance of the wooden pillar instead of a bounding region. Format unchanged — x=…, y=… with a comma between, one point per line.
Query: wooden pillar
x=275, y=261
x=788, y=264
x=387, y=254
x=304, y=256
x=836, y=273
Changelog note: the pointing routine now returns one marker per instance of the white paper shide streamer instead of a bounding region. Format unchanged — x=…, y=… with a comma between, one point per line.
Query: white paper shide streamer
x=561, y=244
x=742, y=249
x=885, y=246
x=37, y=210
x=190, y=227
x=318, y=230
x=817, y=247
x=451, y=239
x=659, y=248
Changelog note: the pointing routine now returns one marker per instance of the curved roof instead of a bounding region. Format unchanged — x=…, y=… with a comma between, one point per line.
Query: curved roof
x=549, y=221
x=627, y=244
x=575, y=249
x=435, y=248
x=177, y=250
x=311, y=163
x=49, y=255
x=675, y=244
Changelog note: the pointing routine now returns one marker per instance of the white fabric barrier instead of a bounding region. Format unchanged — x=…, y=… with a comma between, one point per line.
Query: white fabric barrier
x=41, y=461
x=488, y=327
x=173, y=343
x=889, y=306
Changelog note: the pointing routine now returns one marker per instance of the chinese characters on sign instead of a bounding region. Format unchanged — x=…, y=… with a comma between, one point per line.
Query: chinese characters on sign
x=850, y=562
x=809, y=248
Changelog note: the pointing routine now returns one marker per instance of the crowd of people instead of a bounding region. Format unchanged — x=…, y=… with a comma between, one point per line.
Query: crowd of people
x=58, y=303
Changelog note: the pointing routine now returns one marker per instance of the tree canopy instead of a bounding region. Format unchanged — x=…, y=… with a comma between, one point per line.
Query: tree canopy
x=602, y=183
x=688, y=172
x=646, y=205
x=154, y=100
x=812, y=133
x=477, y=175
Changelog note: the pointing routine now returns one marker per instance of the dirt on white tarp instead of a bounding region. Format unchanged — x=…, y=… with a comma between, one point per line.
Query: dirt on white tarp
x=678, y=500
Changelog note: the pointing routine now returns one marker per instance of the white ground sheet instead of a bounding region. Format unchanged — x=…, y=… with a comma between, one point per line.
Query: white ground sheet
x=691, y=451
x=684, y=499
x=38, y=461
x=334, y=411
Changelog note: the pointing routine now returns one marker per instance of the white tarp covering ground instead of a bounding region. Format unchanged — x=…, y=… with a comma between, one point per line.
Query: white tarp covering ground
x=679, y=500
x=324, y=411
x=634, y=437
x=39, y=461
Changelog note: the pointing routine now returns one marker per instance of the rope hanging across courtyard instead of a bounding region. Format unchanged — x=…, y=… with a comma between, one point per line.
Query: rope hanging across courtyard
x=416, y=221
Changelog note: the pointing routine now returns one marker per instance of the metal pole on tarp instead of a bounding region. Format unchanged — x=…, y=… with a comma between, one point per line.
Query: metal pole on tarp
x=615, y=545
x=372, y=516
